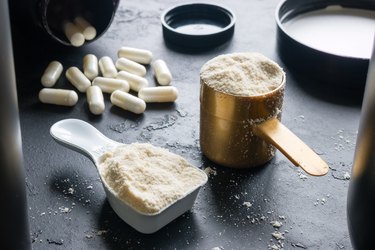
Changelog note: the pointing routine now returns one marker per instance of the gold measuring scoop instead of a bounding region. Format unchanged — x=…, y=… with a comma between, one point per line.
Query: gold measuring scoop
x=243, y=131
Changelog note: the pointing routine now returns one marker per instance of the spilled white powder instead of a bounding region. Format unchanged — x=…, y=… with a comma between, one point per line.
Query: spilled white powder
x=346, y=176
x=242, y=74
x=276, y=224
x=247, y=204
x=149, y=178
x=278, y=235
x=210, y=171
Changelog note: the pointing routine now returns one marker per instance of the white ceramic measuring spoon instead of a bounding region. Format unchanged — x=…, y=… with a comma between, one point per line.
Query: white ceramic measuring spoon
x=84, y=138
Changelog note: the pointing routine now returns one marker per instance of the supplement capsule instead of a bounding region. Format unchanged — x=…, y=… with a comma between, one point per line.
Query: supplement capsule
x=135, y=82
x=90, y=66
x=162, y=73
x=95, y=100
x=107, y=67
x=108, y=85
x=137, y=55
x=51, y=74
x=128, y=102
x=74, y=34
x=78, y=79
x=159, y=94
x=88, y=31
x=130, y=66
x=61, y=97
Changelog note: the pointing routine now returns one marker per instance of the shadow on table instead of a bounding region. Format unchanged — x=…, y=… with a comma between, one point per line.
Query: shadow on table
x=202, y=50
x=119, y=235
x=329, y=92
x=161, y=107
x=237, y=195
x=72, y=183
x=126, y=114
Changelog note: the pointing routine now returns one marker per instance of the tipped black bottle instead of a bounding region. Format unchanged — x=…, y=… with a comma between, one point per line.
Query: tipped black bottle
x=44, y=18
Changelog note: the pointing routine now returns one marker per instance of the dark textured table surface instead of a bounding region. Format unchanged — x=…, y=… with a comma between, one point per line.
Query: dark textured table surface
x=67, y=204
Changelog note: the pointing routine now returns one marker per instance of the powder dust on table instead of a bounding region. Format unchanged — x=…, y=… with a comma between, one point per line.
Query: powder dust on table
x=148, y=178
x=242, y=74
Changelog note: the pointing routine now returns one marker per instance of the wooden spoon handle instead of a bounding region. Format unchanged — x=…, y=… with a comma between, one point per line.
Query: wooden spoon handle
x=275, y=133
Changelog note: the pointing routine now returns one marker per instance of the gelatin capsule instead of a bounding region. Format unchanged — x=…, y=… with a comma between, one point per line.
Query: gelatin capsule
x=90, y=66
x=61, y=97
x=88, y=31
x=107, y=67
x=137, y=55
x=74, y=34
x=135, y=82
x=95, y=100
x=130, y=66
x=162, y=73
x=108, y=85
x=159, y=94
x=51, y=74
x=78, y=79
x=128, y=102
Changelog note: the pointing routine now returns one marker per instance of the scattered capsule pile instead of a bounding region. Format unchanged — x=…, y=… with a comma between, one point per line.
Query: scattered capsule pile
x=117, y=79
x=79, y=31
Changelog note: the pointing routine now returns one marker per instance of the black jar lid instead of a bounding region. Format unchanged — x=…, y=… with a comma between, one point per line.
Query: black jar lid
x=198, y=25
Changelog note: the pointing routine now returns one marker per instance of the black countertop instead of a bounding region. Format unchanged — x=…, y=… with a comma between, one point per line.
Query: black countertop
x=312, y=210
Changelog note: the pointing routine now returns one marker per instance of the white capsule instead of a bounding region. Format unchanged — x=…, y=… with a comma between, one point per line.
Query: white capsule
x=162, y=73
x=130, y=66
x=61, y=97
x=74, y=34
x=95, y=100
x=78, y=79
x=128, y=102
x=88, y=31
x=90, y=66
x=135, y=82
x=108, y=85
x=159, y=94
x=107, y=67
x=51, y=74
x=137, y=55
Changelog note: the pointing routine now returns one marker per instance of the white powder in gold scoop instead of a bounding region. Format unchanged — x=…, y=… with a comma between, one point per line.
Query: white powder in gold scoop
x=148, y=178
x=242, y=74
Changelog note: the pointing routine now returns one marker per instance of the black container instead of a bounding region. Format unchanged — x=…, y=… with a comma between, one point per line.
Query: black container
x=361, y=196
x=13, y=209
x=46, y=17
x=323, y=67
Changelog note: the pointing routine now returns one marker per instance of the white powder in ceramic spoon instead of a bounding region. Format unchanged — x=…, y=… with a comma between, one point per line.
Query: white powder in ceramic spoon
x=242, y=74
x=148, y=178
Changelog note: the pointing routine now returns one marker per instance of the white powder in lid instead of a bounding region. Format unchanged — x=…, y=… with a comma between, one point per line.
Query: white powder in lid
x=148, y=178
x=242, y=74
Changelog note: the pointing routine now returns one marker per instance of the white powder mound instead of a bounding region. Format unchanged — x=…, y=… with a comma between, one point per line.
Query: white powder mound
x=242, y=74
x=148, y=178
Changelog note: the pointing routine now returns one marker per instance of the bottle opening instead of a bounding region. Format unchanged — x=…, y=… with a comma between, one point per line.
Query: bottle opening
x=98, y=13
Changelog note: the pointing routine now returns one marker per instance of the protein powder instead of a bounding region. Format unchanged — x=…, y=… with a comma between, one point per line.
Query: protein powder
x=148, y=178
x=242, y=74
